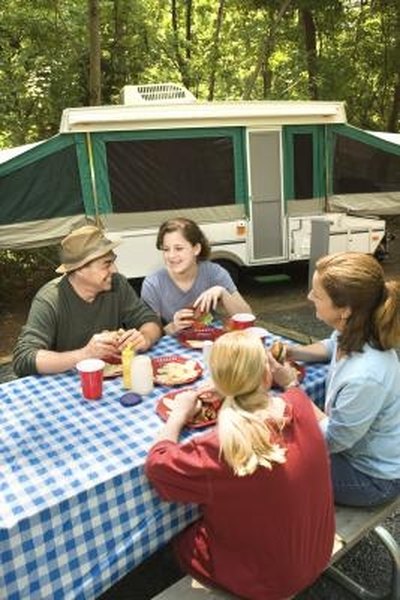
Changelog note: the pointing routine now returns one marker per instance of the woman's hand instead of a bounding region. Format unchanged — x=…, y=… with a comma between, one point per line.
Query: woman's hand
x=209, y=299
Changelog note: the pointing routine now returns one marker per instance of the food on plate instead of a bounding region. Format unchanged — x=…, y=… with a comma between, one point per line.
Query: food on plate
x=200, y=318
x=197, y=338
x=210, y=404
x=260, y=332
x=112, y=370
x=197, y=344
x=174, y=372
x=278, y=351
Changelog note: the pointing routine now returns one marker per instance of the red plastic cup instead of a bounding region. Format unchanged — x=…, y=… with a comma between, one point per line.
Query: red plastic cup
x=242, y=321
x=91, y=371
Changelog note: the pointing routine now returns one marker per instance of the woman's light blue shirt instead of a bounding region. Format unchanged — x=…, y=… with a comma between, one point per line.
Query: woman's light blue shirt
x=362, y=403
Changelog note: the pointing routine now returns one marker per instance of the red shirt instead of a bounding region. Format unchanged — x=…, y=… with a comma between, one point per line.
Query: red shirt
x=265, y=536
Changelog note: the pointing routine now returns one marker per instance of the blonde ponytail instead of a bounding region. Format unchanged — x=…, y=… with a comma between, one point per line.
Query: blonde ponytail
x=245, y=440
x=246, y=428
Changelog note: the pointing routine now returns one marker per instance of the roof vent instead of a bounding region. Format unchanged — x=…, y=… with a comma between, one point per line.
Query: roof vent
x=157, y=93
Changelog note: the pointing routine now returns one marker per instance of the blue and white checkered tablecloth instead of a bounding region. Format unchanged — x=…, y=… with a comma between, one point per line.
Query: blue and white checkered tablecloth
x=76, y=511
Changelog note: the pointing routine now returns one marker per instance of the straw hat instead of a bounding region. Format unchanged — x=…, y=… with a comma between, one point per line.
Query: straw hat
x=82, y=246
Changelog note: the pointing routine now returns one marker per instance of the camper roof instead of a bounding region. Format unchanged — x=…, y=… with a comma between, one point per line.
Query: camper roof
x=394, y=138
x=8, y=153
x=166, y=115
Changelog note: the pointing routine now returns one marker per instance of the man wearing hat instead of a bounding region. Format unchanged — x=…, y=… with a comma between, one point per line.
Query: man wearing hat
x=69, y=314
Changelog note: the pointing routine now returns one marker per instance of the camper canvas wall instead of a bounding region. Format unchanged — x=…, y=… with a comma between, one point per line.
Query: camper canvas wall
x=252, y=174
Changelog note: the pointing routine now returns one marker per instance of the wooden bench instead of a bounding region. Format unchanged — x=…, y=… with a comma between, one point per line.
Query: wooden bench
x=352, y=524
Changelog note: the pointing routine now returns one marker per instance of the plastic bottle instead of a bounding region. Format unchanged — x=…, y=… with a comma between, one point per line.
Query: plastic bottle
x=207, y=346
x=127, y=355
x=142, y=375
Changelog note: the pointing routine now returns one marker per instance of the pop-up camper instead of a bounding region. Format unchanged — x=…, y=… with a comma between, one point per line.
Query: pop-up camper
x=253, y=174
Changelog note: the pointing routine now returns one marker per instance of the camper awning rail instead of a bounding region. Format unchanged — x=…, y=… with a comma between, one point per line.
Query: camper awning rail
x=121, y=117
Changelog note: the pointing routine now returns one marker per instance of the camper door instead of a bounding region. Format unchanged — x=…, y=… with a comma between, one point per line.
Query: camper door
x=267, y=226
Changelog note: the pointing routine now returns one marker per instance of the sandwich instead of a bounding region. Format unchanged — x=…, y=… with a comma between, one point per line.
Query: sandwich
x=278, y=351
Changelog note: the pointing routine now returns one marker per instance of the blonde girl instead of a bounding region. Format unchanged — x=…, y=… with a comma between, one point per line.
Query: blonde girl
x=260, y=477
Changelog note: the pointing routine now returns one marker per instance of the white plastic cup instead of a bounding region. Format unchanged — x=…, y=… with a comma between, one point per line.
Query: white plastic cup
x=207, y=345
x=142, y=378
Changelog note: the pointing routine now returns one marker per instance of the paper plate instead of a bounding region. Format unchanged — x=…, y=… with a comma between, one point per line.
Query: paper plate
x=175, y=370
x=211, y=403
x=112, y=370
x=195, y=338
x=260, y=332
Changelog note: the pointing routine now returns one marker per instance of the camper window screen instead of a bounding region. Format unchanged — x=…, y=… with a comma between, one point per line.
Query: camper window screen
x=359, y=168
x=303, y=165
x=149, y=175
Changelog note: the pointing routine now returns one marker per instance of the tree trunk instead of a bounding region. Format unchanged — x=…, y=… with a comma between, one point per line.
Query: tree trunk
x=215, y=50
x=311, y=51
x=188, y=30
x=182, y=66
x=94, y=53
x=266, y=77
x=266, y=46
x=394, y=117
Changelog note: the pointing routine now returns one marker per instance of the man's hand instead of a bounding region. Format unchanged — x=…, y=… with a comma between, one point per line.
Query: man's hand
x=102, y=345
x=134, y=338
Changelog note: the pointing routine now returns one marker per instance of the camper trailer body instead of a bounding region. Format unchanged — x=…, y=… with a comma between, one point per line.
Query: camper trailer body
x=254, y=175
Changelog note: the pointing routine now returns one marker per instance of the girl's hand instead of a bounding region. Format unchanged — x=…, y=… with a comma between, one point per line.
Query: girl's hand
x=207, y=386
x=282, y=375
x=183, y=319
x=209, y=299
x=186, y=406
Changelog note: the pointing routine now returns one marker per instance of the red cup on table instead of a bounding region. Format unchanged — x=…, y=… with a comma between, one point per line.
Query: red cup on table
x=91, y=372
x=242, y=321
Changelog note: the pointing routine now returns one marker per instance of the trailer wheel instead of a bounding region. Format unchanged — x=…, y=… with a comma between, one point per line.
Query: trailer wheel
x=232, y=268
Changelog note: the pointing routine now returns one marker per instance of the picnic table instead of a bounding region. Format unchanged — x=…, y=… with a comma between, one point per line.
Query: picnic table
x=77, y=512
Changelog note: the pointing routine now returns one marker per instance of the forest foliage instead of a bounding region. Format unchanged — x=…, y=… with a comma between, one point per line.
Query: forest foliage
x=56, y=54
